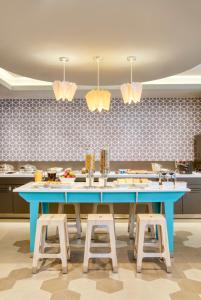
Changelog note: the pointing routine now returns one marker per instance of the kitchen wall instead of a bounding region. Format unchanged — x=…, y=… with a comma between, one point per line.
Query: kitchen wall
x=45, y=130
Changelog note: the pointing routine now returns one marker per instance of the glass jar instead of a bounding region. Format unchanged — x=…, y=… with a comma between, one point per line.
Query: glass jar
x=51, y=174
x=104, y=161
x=38, y=175
x=89, y=161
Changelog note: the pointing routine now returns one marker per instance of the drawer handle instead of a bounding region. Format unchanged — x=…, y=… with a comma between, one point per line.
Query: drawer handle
x=6, y=189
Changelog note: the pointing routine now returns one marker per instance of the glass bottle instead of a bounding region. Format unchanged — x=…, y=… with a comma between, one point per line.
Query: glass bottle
x=104, y=164
x=89, y=165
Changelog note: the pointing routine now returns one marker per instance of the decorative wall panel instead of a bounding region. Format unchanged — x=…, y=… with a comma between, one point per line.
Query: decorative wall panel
x=154, y=129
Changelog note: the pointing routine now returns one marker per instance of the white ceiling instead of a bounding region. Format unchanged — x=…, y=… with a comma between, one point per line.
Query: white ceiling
x=164, y=35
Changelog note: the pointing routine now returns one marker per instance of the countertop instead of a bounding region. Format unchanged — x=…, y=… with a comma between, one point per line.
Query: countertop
x=82, y=188
x=111, y=175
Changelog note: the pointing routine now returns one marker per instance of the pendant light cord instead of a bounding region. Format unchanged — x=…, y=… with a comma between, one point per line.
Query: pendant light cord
x=64, y=70
x=98, y=73
x=131, y=63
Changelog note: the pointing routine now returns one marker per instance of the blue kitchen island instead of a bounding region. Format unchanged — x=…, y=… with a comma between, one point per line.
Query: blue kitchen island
x=45, y=193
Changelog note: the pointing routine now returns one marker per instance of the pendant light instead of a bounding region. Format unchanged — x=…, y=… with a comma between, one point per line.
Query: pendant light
x=131, y=92
x=98, y=99
x=64, y=90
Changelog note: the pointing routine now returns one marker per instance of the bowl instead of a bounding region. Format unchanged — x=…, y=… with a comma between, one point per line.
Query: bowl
x=67, y=180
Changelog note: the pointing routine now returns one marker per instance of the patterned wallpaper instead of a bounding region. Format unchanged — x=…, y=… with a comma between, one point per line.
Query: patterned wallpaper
x=45, y=130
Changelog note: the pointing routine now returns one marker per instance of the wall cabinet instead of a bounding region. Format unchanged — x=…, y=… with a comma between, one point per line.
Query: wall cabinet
x=12, y=203
x=19, y=205
x=6, y=202
x=178, y=207
x=191, y=201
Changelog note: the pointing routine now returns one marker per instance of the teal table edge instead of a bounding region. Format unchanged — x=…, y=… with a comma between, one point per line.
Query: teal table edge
x=168, y=198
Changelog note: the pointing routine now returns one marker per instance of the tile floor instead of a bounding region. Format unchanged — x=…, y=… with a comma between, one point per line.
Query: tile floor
x=18, y=283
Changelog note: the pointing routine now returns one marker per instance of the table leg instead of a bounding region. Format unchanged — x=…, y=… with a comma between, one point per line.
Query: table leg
x=34, y=206
x=169, y=214
x=156, y=206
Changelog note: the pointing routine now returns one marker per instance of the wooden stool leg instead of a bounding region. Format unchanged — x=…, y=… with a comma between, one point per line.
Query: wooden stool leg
x=43, y=238
x=60, y=211
x=129, y=217
x=36, y=248
x=60, y=208
x=160, y=240
x=136, y=239
x=140, y=244
x=87, y=247
x=78, y=221
x=62, y=241
x=113, y=247
x=150, y=208
x=94, y=211
x=166, y=247
x=111, y=208
x=132, y=220
x=67, y=240
x=95, y=208
x=151, y=228
x=161, y=208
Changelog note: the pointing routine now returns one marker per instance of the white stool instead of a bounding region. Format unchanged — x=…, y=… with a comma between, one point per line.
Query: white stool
x=100, y=220
x=144, y=220
x=132, y=219
x=77, y=216
x=95, y=210
x=60, y=221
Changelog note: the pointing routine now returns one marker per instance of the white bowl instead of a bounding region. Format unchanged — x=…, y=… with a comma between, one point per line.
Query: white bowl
x=67, y=180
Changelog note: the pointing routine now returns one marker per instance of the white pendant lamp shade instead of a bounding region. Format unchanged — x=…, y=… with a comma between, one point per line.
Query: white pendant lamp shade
x=131, y=92
x=98, y=100
x=64, y=90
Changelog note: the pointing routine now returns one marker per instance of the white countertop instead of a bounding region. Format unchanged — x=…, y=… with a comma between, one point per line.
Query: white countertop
x=17, y=175
x=111, y=175
x=81, y=187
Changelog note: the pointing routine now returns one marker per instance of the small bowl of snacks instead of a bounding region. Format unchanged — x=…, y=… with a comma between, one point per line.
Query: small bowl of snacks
x=68, y=176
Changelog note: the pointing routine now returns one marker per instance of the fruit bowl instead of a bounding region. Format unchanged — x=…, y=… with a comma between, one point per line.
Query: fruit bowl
x=67, y=179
